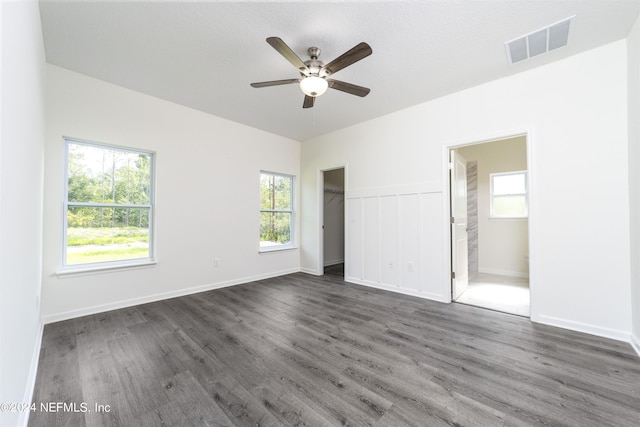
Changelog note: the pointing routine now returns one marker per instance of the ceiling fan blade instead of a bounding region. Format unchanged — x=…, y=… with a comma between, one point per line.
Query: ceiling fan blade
x=290, y=55
x=275, y=83
x=348, y=87
x=308, y=101
x=355, y=54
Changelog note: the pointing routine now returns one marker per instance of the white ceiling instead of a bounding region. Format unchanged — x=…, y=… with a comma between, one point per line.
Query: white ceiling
x=204, y=54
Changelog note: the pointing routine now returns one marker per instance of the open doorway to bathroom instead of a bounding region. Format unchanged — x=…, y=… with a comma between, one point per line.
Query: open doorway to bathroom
x=489, y=232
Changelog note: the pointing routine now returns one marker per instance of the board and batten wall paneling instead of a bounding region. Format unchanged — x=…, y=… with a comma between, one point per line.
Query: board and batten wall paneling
x=408, y=213
x=390, y=238
x=354, y=238
x=437, y=284
x=371, y=246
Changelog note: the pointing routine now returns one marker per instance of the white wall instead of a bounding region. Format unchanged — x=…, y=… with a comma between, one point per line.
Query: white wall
x=503, y=243
x=576, y=113
x=22, y=92
x=207, y=195
x=633, y=50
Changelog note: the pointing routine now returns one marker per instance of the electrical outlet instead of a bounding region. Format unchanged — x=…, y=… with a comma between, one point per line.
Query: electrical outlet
x=410, y=267
x=216, y=262
x=390, y=265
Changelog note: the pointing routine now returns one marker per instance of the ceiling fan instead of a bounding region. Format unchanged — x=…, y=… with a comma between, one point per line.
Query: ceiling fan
x=314, y=74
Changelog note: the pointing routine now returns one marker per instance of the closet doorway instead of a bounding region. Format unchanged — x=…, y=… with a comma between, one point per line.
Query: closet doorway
x=489, y=225
x=333, y=222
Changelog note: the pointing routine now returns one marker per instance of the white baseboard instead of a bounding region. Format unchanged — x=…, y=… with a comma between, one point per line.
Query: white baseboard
x=334, y=262
x=72, y=314
x=405, y=291
x=504, y=272
x=635, y=343
x=311, y=271
x=23, y=420
x=584, y=327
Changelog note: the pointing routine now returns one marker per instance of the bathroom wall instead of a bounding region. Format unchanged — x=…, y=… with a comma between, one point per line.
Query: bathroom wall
x=502, y=243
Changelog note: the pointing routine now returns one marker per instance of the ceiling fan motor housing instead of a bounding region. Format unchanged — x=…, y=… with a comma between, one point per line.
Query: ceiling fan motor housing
x=314, y=64
x=314, y=52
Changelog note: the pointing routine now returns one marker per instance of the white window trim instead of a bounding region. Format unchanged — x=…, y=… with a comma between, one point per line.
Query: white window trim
x=525, y=194
x=106, y=266
x=96, y=268
x=292, y=241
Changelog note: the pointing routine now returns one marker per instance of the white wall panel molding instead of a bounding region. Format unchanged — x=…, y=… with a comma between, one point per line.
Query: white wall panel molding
x=413, y=188
x=394, y=239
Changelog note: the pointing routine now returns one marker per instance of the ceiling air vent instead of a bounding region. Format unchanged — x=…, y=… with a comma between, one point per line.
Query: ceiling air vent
x=539, y=41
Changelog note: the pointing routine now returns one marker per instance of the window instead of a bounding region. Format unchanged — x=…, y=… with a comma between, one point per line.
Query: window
x=109, y=206
x=509, y=195
x=276, y=211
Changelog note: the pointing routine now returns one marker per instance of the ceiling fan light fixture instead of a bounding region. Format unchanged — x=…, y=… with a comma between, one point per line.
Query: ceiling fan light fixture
x=313, y=86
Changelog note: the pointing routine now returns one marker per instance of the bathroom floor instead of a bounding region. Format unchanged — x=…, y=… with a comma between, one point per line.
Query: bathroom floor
x=500, y=293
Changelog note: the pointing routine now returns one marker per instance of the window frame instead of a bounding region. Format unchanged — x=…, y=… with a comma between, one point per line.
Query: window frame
x=492, y=196
x=115, y=264
x=290, y=211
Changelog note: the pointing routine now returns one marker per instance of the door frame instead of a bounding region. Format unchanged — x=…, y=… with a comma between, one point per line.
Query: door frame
x=532, y=223
x=320, y=191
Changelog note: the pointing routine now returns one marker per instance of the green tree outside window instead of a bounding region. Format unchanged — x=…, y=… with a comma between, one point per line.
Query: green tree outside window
x=276, y=210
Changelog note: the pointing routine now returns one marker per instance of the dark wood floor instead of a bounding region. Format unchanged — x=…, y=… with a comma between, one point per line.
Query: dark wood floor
x=306, y=350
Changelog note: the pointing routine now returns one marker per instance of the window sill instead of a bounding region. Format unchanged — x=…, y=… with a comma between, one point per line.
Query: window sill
x=270, y=249
x=99, y=269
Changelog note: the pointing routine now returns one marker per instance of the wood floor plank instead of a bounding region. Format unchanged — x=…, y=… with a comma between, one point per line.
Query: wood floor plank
x=241, y=407
x=139, y=376
x=316, y=351
x=101, y=386
x=198, y=406
x=288, y=409
x=169, y=415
